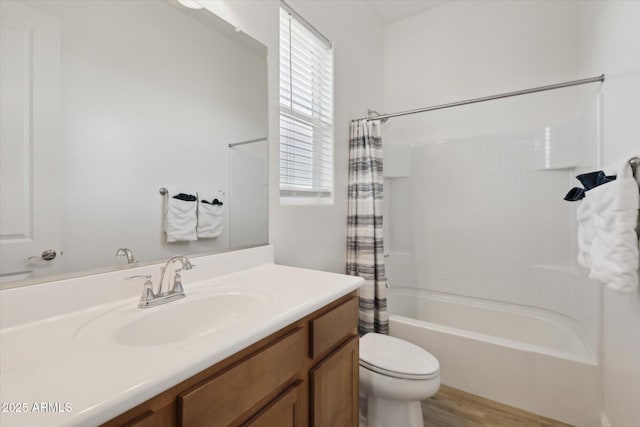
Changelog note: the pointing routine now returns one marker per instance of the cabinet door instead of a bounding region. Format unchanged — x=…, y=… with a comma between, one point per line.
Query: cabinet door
x=334, y=388
x=282, y=412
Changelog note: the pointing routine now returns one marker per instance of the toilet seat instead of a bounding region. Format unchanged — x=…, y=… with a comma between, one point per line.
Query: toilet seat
x=396, y=358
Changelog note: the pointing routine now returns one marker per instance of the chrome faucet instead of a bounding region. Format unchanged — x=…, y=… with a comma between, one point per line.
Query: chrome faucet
x=170, y=280
x=128, y=253
x=170, y=283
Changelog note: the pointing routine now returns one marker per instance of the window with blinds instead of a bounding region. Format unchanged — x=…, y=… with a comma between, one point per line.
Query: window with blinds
x=306, y=111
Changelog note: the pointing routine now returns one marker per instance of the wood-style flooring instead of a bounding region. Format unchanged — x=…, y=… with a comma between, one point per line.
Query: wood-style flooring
x=455, y=408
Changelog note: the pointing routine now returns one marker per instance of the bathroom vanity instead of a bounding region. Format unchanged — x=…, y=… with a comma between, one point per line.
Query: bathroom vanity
x=304, y=374
x=252, y=343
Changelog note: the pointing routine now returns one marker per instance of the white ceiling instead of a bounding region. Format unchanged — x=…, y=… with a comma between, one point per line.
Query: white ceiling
x=390, y=11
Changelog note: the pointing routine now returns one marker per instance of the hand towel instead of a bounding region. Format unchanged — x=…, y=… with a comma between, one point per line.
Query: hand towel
x=607, y=239
x=211, y=213
x=181, y=218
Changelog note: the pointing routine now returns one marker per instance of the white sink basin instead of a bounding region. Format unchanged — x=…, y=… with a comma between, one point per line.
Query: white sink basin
x=202, y=312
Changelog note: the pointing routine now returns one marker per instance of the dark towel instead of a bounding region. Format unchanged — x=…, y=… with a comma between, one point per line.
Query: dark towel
x=588, y=180
x=214, y=202
x=185, y=197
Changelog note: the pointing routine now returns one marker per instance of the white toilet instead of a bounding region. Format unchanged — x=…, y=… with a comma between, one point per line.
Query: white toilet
x=395, y=376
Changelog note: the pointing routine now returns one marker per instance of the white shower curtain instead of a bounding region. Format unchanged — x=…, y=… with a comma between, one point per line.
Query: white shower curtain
x=365, y=249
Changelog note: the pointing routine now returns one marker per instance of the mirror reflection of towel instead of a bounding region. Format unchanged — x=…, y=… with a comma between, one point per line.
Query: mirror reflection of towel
x=185, y=197
x=181, y=218
x=211, y=212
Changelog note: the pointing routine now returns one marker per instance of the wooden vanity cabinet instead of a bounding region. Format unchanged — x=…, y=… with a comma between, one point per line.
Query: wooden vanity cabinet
x=334, y=388
x=303, y=375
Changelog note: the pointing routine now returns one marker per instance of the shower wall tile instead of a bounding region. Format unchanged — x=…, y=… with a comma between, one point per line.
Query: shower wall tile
x=398, y=221
x=483, y=217
x=399, y=268
x=482, y=214
x=397, y=160
x=556, y=146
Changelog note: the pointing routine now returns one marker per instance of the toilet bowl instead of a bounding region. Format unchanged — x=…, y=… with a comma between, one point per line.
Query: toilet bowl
x=395, y=376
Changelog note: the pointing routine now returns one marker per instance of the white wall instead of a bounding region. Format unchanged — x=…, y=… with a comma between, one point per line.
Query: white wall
x=470, y=49
x=145, y=107
x=610, y=40
x=315, y=236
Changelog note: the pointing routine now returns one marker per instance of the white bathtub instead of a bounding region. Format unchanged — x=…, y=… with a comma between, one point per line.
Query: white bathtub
x=522, y=356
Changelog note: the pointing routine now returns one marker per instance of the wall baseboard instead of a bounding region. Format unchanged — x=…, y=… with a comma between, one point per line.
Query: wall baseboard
x=604, y=421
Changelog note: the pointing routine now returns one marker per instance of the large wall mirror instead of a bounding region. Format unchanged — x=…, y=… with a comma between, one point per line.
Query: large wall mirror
x=103, y=103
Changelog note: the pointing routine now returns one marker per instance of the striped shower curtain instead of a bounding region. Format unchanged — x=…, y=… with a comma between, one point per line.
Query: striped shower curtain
x=365, y=253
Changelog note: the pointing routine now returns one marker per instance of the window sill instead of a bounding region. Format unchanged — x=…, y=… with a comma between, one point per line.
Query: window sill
x=305, y=200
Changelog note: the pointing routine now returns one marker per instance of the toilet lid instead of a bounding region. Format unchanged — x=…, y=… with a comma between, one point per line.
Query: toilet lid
x=396, y=358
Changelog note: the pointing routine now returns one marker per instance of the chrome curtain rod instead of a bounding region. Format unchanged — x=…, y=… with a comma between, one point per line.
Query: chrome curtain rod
x=599, y=78
x=249, y=141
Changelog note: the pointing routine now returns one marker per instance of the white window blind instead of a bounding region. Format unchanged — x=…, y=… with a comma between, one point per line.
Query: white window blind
x=306, y=110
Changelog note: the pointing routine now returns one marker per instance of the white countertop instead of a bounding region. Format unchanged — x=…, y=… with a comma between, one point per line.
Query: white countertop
x=89, y=381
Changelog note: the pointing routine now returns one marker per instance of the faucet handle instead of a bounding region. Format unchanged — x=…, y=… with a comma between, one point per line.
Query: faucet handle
x=147, y=291
x=179, y=269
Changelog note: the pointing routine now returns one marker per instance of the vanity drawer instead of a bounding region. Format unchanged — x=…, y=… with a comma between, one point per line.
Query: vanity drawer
x=331, y=328
x=222, y=399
